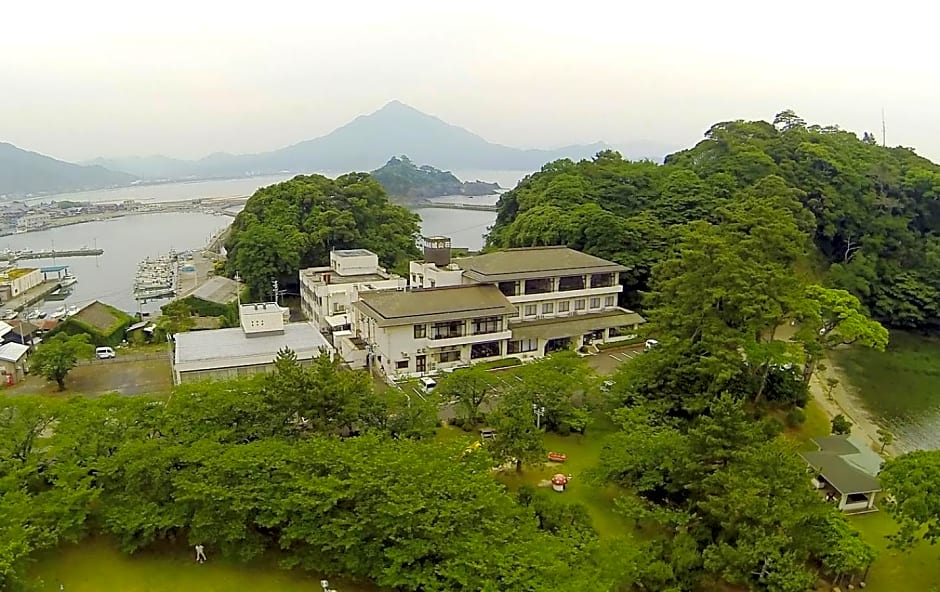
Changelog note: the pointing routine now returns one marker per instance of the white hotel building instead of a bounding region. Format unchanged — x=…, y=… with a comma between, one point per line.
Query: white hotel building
x=520, y=303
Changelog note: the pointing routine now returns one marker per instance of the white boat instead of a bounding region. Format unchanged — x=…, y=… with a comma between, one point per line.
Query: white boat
x=71, y=310
x=59, y=312
x=67, y=280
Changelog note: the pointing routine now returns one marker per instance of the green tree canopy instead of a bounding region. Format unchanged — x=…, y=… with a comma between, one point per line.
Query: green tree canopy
x=55, y=357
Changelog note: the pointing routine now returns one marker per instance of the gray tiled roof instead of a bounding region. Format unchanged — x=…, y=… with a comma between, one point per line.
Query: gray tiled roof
x=391, y=308
x=533, y=262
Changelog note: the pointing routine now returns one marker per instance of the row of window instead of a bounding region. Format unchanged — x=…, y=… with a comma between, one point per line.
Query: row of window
x=530, y=310
x=564, y=284
x=451, y=329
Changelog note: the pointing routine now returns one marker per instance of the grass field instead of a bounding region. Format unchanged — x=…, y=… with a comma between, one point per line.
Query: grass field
x=96, y=565
x=917, y=569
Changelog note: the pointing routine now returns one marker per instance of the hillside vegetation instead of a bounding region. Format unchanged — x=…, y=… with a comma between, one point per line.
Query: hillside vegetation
x=872, y=212
x=295, y=224
x=403, y=178
x=24, y=172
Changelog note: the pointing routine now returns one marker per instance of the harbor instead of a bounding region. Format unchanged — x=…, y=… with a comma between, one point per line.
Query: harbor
x=157, y=278
x=9, y=255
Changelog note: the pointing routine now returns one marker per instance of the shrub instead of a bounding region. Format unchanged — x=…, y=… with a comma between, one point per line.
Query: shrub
x=795, y=417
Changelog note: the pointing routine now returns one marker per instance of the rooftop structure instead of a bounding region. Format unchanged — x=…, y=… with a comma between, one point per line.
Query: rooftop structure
x=225, y=353
x=847, y=471
x=13, y=352
x=533, y=262
x=262, y=317
x=218, y=289
x=439, y=304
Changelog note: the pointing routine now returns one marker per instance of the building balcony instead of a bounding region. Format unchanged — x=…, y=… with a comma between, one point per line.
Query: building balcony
x=565, y=295
x=467, y=339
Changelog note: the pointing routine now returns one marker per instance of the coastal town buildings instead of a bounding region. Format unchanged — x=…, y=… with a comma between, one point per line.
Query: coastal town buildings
x=250, y=348
x=522, y=303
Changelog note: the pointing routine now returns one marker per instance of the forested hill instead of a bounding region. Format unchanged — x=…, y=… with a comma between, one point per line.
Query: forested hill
x=402, y=178
x=23, y=172
x=875, y=211
x=295, y=224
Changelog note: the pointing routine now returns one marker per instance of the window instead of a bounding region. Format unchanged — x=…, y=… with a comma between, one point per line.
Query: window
x=579, y=304
x=447, y=330
x=564, y=306
x=508, y=288
x=483, y=325
x=421, y=364
x=339, y=308
x=449, y=356
x=484, y=350
x=538, y=286
x=610, y=301
x=421, y=331
x=602, y=280
x=401, y=365
x=548, y=308
x=595, y=302
x=530, y=310
x=571, y=282
x=522, y=345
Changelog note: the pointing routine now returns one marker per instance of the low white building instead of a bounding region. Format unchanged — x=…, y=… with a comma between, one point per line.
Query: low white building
x=17, y=280
x=548, y=298
x=418, y=332
x=249, y=349
x=327, y=293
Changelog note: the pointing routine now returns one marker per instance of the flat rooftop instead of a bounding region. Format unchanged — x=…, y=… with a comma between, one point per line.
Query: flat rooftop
x=226, y=348
x=353, y=253
x=391, y=308
x=218, y=289
x=533, y=262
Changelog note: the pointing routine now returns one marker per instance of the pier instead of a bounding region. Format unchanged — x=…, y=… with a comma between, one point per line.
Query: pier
x=17, y=255
x=457, y=206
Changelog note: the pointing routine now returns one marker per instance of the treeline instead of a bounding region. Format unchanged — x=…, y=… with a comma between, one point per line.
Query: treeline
x=870, y=211
x=309, y=462
x=295, y=224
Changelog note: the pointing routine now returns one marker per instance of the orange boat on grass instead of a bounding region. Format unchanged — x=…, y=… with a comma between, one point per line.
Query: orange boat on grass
x=557, y=457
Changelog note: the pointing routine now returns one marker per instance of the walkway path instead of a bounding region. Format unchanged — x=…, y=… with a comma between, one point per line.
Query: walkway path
x=845, y=401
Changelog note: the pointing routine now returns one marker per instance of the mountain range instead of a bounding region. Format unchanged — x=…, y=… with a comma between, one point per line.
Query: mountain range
x=365, y=143
x=23, y=172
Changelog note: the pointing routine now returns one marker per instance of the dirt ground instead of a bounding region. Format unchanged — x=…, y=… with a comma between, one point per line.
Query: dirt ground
x=131, y=377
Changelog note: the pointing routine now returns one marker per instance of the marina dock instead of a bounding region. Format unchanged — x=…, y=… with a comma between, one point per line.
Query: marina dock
x=157, y=278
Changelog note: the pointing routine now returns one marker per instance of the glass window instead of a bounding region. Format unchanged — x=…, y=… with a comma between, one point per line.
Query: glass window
x=447, y=330
x=602, y=280
x=595, y=302
x=449, y=356
x=508, y=288
x=530, y=310
x=610, y=301
x=579, y=304
x=571, y=282
x=421, y=331
x=484, y=325
x=484, y=350
x=401, y=364
x=564, y=306
x=548, y=307
x=538, y=286
x=522, y=345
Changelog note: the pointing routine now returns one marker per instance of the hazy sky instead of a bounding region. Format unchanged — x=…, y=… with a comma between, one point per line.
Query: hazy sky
x=83, y=79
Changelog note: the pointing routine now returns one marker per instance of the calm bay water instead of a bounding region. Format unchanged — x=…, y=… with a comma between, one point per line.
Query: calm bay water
x=127, y=241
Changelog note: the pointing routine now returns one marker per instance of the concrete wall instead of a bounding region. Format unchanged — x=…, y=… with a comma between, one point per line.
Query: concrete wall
x=21, y=283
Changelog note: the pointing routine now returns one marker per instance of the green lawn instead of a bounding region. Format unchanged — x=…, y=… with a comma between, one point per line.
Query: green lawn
x=583, y=454
x=816, y=424
x=918, y=569
x=95, y=565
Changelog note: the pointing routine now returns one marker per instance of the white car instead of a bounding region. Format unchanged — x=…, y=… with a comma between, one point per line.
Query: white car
x=650, y=344
x=104, y=353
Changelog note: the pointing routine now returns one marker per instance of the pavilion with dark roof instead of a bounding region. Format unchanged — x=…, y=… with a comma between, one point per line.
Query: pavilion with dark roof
x=846, y=470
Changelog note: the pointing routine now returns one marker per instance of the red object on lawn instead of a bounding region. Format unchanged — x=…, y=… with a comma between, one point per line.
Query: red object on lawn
x=557, y=456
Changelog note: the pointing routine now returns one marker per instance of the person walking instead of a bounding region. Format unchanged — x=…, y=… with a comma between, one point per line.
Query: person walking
x=200, y=554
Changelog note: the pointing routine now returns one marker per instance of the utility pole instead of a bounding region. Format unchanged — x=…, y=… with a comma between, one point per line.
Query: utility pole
x=274, y=283
x=884, y=140
x=539, y=412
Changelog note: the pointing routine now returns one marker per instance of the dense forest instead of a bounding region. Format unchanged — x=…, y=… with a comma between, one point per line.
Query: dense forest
x=873, y=212
x=295, y=224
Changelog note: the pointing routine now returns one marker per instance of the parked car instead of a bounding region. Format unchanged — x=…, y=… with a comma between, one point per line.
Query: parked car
x=429, y=384
x=104, y=353
x=650, y=344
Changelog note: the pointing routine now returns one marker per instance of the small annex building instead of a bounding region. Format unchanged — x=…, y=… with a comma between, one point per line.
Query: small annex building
x=13, y=362
x=251, y=348
x=846, y=471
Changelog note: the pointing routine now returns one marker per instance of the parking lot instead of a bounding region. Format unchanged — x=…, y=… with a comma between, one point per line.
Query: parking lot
x=127, y=376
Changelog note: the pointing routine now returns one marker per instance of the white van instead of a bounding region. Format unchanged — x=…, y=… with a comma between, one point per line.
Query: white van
x=650, y=344
x=429, y=384
x=104, y=353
